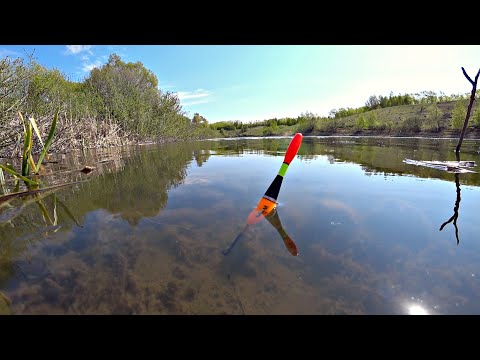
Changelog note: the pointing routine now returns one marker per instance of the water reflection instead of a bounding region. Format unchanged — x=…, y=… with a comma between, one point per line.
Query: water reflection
x=287, y=240
x=154, y=226
x=274, y=220
x=454, y=217
x=268, y=202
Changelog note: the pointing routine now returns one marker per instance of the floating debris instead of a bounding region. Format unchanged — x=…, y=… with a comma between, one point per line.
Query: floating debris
x=449, y=166
x=87, y=169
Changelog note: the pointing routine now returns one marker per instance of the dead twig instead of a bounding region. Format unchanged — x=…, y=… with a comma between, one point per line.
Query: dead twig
x=469, y=110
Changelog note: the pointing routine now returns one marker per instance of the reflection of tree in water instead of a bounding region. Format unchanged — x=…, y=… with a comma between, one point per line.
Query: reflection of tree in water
x=454, y=217
x=137, y=189
x=383, y=156
x=201, y=156
x=141, y=188
x=26, y=220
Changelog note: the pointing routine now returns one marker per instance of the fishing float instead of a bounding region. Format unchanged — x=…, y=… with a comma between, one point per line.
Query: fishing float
x=268, y=202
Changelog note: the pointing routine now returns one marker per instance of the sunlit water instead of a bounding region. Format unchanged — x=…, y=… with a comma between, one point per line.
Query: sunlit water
x=153, y=222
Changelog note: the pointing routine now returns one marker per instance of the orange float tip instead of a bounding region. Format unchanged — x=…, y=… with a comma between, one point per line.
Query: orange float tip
x=264, y=207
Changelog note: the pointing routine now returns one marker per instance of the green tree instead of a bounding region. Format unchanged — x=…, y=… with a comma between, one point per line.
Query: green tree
x=459, y=113
x=15, y=75
x=199, y=120
x=434, y=115
x=372, y=103
x=306, y=121
x=130, y=95
x=360, y=123
x=476, y=117
x=371, y=120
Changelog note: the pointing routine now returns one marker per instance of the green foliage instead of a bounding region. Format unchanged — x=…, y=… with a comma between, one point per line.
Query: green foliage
x=48, y=142
x=326, y=125
x=198, y=119
x=47, y=90
x=371, y=121
x=360, y=123
x=130, y=95
x=459, y=113
x=340, y=113
x=15, y=75
x=28, y=162
x=274, y=125
x=432, y=121
x=306, y=122
x=125, y=94
x=388, y=126
x=223, y=125
x=267, y=131
x=15, y=174
x=476, y=117
x=379, y=102
x=410, y=125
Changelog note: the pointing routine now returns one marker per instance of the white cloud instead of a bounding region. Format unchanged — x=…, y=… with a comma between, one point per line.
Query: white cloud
x=203, y=101
x=199, y=93
x=89, y=67
x=7, y=52
x=198, y=96
x=77, y=49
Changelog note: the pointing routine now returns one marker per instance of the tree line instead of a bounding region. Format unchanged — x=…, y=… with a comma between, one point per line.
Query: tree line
x=120, y=95
x=308, y=121
x=379, y=102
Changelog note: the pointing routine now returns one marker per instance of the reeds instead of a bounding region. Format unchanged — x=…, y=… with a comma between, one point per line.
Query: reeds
x=28, y=163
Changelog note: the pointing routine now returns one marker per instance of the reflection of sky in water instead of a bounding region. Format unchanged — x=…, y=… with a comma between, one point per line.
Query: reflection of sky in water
x=388, y=226
x=385, y=227
x=367, y=244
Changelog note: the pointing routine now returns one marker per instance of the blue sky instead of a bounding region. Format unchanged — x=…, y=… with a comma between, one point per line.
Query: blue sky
x=257, y=82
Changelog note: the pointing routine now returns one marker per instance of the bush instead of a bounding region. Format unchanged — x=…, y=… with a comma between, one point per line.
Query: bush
x=459, y=113
x=410, y=125
x=326, y=125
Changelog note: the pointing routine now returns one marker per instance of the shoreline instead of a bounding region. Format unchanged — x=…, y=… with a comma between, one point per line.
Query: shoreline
x=472, y=137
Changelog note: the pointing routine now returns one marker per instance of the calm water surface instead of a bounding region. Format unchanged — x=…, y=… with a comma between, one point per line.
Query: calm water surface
x=153, y=222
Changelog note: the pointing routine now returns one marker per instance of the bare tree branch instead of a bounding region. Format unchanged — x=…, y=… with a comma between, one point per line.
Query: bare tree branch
x=455, y=209
x=469, y=110
x=468, y=77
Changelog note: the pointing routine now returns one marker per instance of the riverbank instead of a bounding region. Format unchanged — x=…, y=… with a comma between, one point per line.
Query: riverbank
x=87, y=133
x=443, y=119
x=446, y=134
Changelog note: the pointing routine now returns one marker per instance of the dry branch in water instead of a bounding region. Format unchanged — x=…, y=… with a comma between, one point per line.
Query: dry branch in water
x=469, y=110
